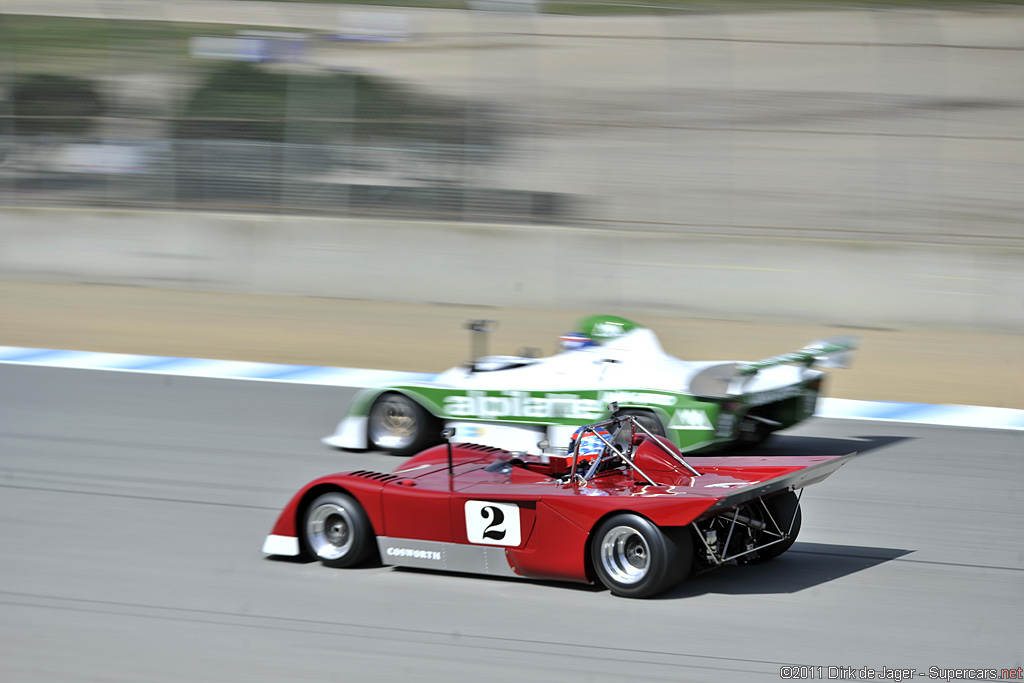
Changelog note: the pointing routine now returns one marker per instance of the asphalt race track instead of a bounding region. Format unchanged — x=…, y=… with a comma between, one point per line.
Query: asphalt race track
x=133, y=508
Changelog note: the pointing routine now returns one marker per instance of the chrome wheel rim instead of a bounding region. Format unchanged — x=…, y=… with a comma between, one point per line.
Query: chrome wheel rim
x=329, y=531
x=393, y=424
x=625, y=555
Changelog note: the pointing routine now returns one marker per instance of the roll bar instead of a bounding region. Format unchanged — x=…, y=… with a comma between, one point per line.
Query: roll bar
x=615, y=425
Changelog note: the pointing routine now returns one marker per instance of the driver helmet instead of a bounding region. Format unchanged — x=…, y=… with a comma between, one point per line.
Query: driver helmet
x=591, y=445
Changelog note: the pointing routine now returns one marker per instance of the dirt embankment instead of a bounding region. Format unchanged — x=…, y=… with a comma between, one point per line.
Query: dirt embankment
x=893, y=365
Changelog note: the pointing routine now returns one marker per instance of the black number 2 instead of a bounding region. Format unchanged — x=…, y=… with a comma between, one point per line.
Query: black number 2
x=498, y=518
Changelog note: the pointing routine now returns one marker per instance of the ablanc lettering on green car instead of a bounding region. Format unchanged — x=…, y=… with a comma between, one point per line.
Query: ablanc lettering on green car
x=523, y=404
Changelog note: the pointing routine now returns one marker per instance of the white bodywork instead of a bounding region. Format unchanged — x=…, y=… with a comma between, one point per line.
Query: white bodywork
x=629, y=364
x=285, y=546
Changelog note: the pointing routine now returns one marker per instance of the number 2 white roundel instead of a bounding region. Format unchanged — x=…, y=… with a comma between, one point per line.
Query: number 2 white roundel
x=492, y=523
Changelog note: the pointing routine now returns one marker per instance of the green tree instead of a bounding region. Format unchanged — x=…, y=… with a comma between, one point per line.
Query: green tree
x=48, y=104
x=245, y=102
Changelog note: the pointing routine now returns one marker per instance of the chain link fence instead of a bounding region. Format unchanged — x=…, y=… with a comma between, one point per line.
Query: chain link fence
x=902, y=125
x=162, y=115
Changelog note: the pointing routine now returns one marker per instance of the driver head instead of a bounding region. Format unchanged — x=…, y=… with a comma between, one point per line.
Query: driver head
x=590, y=443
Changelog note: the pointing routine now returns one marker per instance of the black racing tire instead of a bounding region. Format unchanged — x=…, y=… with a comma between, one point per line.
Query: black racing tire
x=782, y=508
x=336, y=531
x=633, y=558
x=647, y=419
x=399, y=425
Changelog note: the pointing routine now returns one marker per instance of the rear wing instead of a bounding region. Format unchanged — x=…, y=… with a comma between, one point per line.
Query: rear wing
x=727, y=379
x=787, y=482
x=836, y=352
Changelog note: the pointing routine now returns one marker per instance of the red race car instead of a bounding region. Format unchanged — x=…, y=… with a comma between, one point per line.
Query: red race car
x=620, y=506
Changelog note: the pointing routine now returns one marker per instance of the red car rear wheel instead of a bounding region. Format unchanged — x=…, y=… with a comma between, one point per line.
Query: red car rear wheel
x=633, y=558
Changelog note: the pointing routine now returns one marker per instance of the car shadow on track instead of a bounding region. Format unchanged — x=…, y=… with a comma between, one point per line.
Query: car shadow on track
x=561, y=585
x=782, y=445
x=803, y=566
x=300, y=559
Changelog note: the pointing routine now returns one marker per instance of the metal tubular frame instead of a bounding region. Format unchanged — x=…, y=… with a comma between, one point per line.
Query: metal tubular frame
x=620, y=423
x=781, y=535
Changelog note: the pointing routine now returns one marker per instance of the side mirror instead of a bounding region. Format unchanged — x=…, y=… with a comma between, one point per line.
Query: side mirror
x=447, y=433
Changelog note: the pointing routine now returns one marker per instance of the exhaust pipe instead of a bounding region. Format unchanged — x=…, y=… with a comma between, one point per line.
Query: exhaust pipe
x=744, y=519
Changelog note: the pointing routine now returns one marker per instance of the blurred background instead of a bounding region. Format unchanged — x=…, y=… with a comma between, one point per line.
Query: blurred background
x=330, y=184
x=900, y=122
x=843, y=164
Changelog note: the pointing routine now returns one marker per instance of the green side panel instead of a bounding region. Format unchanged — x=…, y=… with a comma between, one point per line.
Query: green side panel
x=690, y=422
x=431, y=398
x=788, y=405
x=603, y=328
x=362, y=401
x=537, y=407
x=693, y=424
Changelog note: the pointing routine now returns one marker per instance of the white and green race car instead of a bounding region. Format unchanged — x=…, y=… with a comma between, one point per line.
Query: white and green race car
x=532, y=404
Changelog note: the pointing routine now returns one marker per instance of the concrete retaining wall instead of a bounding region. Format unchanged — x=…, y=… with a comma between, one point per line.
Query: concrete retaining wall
x=856, y=283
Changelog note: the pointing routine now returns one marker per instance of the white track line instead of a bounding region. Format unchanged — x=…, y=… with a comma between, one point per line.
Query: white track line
x=919, y=413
